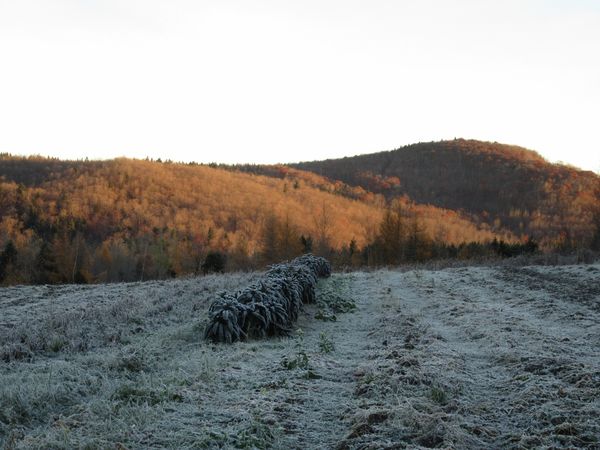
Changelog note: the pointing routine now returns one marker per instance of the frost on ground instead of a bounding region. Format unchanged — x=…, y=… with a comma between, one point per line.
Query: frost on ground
x=456, y=358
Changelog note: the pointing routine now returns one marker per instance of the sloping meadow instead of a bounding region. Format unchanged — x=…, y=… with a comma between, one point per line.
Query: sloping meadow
x=127, y=363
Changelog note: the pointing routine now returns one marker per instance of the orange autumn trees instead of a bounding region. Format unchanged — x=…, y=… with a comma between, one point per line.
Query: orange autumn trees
x=132, y=220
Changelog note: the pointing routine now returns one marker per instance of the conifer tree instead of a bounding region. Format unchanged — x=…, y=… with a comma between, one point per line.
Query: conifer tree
x=392, y=235
x=7, y=258
x=45, y=266
x=270, y=251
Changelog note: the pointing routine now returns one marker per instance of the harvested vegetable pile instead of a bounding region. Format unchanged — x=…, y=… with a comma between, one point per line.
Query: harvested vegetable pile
x=270, y=306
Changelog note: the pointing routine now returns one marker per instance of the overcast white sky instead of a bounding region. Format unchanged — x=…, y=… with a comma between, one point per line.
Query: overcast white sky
x=279, y=81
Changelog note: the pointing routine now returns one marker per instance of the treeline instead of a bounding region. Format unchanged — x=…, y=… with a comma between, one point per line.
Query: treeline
x=68, y=257
x=399, y=238
x=131, y=220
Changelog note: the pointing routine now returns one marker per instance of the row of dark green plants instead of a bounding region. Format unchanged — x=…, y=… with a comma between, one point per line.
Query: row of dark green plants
x=270, y=305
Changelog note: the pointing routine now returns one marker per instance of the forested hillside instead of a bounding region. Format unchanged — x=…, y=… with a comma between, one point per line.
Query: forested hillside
x=87, y=221
x=507, y=187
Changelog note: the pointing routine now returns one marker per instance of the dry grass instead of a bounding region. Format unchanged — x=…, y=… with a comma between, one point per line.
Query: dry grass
x=484, y=357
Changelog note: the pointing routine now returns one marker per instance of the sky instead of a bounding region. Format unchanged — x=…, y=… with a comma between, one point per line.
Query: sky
x=267, y=81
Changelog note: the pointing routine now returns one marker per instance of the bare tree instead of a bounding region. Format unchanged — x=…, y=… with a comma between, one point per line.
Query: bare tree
x=323, y=226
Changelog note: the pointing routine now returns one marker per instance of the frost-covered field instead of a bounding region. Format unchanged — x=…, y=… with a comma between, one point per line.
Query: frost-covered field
x=456, y=358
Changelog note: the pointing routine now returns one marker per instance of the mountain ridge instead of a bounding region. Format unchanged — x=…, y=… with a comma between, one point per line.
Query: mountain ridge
x=505, y=186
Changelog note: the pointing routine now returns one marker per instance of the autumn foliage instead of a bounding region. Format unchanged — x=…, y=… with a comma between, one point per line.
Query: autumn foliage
x=505, y=187
x=133, y=220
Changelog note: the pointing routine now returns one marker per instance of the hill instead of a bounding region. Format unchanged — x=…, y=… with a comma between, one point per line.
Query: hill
x=507, y=187
x=131, y=219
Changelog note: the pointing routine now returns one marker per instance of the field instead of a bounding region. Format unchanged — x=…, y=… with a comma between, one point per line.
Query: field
x=469, y=358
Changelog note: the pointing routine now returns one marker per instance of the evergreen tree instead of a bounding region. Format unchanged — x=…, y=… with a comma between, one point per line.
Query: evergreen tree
x=417, y=243
x=270, y=250
x=45, y=267
x=288, y=240
x=391, y=238
x=7, y=258
x=595, y=242
x=307, y=244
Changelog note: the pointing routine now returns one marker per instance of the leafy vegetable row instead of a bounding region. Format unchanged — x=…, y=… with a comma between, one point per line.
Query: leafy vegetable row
x=269, y=306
